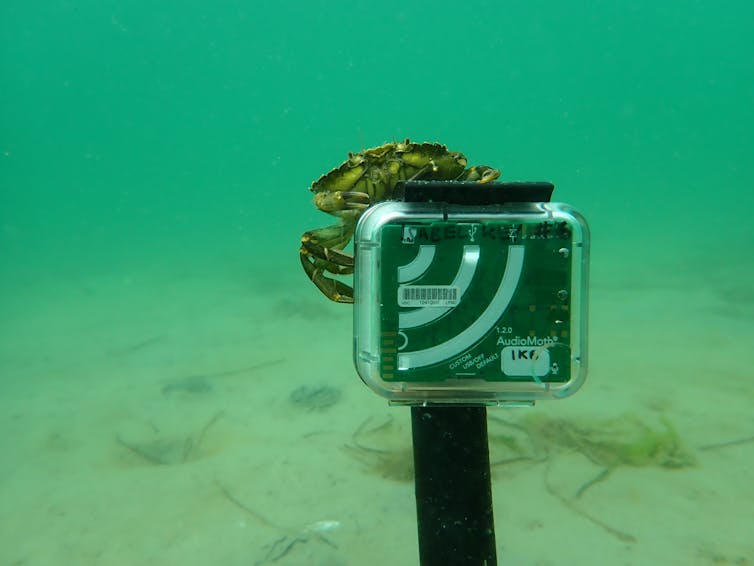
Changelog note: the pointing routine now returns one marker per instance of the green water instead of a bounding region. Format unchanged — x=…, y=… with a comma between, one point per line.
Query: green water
x=154, y=165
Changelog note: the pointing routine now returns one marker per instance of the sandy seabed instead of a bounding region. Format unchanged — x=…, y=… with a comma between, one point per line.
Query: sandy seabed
x=148, y=420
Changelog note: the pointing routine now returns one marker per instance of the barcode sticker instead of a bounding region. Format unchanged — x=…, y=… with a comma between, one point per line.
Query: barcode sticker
x=427, y=296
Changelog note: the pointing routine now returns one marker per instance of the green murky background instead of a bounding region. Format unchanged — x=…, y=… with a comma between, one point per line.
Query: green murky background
x=154, y=161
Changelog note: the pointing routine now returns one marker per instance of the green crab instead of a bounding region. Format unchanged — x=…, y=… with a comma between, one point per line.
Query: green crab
x=364, y=179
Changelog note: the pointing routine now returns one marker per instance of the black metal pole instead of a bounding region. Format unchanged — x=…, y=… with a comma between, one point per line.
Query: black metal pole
x=453, y=490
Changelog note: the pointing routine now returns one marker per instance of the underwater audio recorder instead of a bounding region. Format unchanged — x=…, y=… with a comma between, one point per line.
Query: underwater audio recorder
x=471, y=294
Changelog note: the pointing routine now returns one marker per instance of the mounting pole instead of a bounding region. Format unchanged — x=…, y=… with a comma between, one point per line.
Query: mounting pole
x=453, y=490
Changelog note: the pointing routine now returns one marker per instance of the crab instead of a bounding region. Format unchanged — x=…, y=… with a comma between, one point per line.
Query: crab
x=364, y=179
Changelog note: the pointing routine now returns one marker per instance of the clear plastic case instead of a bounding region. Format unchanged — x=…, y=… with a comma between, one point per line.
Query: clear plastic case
x=459, y=304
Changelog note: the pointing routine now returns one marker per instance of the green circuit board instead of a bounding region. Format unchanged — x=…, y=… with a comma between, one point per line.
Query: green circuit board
x=486, y=300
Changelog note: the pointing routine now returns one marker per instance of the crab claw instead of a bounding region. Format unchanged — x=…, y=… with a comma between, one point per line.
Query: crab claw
x=341, y=200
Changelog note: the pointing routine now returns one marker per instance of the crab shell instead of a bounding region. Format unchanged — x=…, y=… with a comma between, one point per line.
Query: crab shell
x=372, y=174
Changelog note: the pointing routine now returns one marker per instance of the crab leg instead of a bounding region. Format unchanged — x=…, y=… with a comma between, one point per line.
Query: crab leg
x=320, y=252
x=480, y=173
x=331, y=288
